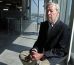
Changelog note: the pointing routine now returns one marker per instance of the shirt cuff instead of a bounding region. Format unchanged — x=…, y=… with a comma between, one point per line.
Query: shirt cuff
x=34, y=49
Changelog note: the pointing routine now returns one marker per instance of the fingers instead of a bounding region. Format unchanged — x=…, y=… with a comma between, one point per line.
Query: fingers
x=36, y=56
x=32, y=57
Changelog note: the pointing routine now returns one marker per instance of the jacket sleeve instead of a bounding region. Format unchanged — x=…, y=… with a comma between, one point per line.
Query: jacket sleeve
x=65, y=39
x=39, y=43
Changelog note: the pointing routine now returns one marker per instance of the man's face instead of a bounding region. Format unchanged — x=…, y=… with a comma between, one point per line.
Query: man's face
x=51, y=13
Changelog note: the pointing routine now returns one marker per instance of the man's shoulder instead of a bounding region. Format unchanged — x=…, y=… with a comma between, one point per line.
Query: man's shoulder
x=63, y=24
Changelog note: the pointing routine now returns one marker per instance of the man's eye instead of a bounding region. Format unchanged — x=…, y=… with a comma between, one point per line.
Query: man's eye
x=51, y=11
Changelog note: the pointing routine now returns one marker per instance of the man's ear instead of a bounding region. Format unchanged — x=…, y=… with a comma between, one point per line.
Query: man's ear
x=58, y=15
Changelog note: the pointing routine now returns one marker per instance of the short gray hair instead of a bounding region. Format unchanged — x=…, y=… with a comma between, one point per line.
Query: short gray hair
x=55, y=4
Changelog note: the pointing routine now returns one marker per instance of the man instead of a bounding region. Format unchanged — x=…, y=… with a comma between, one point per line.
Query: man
x=53, y=39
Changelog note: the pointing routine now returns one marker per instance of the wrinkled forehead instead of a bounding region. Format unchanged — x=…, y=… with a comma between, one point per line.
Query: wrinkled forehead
x=51, y=7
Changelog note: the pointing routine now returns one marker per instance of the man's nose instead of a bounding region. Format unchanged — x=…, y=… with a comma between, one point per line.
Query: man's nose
x=49, y=12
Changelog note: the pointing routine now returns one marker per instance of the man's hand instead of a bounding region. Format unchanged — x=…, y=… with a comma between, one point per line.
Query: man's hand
x=35, y=55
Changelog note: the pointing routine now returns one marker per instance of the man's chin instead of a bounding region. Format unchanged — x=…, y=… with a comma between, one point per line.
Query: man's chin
x=50, y=21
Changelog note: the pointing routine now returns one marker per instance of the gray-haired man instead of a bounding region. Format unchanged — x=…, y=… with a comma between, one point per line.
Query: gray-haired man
x=53, y=41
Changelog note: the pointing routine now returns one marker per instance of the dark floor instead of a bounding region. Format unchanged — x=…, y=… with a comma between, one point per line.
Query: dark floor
x=11, y=44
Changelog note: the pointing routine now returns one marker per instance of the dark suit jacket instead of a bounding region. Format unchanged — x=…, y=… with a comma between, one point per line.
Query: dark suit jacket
x=59, y=37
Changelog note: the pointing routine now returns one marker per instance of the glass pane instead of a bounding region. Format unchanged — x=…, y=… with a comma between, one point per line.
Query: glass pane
x=33, y=14
x=37, y=12
x=56, y=1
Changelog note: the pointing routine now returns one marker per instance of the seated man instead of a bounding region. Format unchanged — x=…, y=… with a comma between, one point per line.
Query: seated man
x=54, y=37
